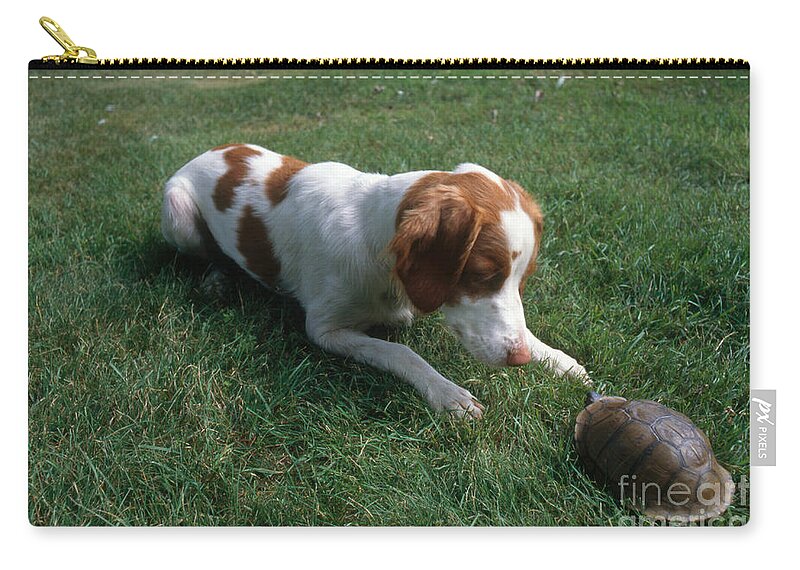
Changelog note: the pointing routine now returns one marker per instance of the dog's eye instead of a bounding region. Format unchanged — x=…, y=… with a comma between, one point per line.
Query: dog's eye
x=491, y=278
x=483, y=279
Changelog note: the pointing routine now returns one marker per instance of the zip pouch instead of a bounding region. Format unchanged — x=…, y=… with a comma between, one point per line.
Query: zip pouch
x=388, y=293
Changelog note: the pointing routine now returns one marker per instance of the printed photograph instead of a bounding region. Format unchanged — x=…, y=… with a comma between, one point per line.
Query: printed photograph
x=393, y=297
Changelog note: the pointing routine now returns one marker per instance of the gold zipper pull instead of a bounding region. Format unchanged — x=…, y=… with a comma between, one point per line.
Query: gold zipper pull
x=72, y=52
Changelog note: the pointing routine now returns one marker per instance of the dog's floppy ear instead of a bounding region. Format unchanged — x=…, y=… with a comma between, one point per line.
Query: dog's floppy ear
x=436, y=229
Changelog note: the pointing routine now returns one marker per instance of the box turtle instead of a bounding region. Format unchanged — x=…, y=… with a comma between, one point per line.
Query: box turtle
x=653, y=456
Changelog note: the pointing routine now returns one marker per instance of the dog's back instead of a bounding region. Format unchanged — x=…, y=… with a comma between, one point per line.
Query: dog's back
x=317, y=231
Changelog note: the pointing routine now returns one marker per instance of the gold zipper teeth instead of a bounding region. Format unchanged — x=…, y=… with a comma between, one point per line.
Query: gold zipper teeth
x=454, y=63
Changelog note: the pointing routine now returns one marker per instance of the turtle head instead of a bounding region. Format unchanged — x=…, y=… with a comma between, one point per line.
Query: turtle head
x=591, y=397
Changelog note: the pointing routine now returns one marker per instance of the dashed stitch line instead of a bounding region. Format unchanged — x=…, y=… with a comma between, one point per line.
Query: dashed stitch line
x=391, y=77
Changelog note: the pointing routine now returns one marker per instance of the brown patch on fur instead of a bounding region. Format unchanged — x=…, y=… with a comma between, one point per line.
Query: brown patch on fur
x=278, y=180
x=236, y=159
x=534, y=212
x=254, y=244
x=449, y=239
x=227, y=146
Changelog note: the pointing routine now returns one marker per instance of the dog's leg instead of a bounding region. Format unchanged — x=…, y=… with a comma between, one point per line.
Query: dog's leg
x=217, y=282
x=559, y=361
x=441, y=393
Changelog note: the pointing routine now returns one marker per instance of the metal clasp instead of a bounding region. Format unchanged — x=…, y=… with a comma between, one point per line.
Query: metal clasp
x=72, y=52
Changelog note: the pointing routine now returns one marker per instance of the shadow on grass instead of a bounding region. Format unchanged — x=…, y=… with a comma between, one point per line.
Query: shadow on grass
x=277, y=321
x=157, y=263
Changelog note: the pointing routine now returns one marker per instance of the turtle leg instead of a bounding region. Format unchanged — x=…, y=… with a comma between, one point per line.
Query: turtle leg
x=561, y=363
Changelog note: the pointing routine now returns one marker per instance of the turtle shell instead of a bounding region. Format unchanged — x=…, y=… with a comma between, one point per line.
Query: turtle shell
x=653, y=456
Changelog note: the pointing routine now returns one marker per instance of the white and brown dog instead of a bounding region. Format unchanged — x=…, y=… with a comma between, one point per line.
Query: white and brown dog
x=359, y=250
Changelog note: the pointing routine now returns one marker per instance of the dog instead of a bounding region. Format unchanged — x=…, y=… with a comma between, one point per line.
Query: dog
x=359, y=250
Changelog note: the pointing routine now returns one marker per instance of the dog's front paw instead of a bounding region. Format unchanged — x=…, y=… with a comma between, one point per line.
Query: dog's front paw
x=565, y=365
x=452, y=398
x=580, y=373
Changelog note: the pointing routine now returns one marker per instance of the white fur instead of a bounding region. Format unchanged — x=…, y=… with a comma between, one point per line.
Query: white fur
x=330, y=234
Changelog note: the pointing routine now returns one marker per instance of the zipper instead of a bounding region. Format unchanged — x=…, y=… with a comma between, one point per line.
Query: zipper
x=79, y=57
x=72, y=52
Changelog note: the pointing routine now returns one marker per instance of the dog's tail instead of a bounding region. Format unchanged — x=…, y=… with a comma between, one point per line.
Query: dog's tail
x=181, y=221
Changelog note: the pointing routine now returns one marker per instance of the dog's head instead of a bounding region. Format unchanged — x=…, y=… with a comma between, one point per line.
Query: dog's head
x=466, y=242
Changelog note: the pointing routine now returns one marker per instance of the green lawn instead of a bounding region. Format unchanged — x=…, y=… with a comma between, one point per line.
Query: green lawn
x=151, y=403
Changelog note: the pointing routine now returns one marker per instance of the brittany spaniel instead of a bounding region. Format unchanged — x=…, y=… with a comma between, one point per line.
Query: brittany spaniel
x=360, y=249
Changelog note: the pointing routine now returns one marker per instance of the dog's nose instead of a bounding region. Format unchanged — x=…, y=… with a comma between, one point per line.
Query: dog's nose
x=519, y=356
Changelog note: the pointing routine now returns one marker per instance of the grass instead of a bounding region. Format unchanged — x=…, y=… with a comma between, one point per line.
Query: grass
x=152, y=404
